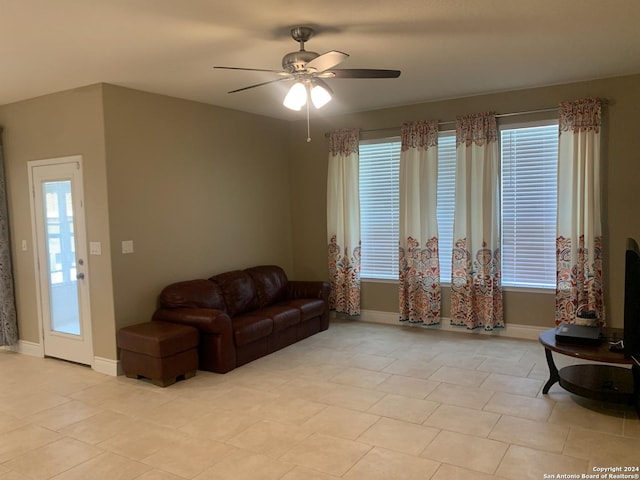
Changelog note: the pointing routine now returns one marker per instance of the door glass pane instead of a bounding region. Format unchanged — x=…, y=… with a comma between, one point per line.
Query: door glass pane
x=60, y=244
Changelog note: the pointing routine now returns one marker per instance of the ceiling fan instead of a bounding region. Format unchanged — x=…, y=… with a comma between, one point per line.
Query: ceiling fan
x=308, y=69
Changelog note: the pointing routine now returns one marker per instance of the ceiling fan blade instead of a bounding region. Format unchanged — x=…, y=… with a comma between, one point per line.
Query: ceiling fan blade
x=364, y=73
x=326, y=61
x=259, y=84
x=279, y=72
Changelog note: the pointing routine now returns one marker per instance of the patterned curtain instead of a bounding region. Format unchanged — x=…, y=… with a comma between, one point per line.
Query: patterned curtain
x=420, y=296
x=579, y=233
x=343, y=221
x=8, y=322
x=476, y=292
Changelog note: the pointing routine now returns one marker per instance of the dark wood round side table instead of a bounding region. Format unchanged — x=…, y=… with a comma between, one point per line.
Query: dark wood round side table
x=609, y=383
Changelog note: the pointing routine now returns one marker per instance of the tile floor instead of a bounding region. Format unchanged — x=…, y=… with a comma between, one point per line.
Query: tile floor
x=359, y=401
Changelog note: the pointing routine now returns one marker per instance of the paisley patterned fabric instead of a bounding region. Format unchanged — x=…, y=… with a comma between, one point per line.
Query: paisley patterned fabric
x=420, y=135
x=419, y=267
x=579, y=239
x=343, y=221
x=579, y=283
x=344, y=276
x=344, y=142
x=8, y=321
x=581, y=116
x=476, y=291
x=480, y=129
x=420, y=294
x=476, y=300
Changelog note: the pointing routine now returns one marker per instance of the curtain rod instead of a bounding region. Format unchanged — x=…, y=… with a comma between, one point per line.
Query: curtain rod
x=451, y=122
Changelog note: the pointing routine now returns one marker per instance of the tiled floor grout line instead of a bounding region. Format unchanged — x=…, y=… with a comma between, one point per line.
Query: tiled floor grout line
x=407, y=404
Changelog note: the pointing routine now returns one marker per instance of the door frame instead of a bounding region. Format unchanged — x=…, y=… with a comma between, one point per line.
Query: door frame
x=80, y=240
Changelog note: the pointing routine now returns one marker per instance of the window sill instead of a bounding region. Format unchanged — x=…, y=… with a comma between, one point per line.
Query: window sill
x=505, y=288
x=379, y=280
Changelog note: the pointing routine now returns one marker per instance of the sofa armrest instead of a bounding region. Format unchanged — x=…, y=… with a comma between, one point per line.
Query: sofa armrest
x=309, y=289
x=207, y=320
x=216, y=350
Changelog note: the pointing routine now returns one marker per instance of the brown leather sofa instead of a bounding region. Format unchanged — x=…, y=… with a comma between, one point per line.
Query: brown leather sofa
x=243, y=315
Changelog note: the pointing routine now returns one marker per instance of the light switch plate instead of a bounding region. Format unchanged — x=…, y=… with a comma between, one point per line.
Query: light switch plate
x=95, y=248
x=127, y=246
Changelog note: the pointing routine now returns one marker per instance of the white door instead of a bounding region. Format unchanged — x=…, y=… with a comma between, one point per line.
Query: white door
x=57, y=207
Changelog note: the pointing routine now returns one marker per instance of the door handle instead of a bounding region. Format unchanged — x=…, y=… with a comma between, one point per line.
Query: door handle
x=80, y=276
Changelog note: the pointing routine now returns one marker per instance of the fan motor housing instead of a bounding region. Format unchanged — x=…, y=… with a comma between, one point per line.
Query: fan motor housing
x=296, y=61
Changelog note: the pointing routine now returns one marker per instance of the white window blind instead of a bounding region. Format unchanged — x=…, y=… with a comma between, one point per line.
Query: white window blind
x=528, y=210
x=446, y=201
x=379, y=206
x=379, y=209
x=529, y=198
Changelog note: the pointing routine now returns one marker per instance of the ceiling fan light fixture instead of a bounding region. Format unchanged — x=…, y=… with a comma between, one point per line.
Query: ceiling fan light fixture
x=321, y=94
x=306, y=69
x=296, y=98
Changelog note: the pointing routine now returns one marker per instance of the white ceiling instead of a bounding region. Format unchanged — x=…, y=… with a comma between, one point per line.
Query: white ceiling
x=445, y=48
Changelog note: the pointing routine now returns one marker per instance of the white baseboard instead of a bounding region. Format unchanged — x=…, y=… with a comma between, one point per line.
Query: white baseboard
x=511, y=330
x=101, y=365
x=28, y=348
x=107, y=366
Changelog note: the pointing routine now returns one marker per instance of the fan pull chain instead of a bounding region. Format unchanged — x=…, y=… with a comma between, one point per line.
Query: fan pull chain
x=308, y=126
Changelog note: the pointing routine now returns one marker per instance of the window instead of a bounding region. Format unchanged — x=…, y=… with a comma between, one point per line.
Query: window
x=529, y=201
x=529, y=156
x=446, y=201
x=380, y=206
x=379, y=209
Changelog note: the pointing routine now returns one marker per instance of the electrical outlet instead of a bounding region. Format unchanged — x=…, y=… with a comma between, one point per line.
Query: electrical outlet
x=24, y=245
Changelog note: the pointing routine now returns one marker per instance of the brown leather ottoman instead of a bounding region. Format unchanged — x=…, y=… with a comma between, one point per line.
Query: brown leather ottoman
x=161, y=351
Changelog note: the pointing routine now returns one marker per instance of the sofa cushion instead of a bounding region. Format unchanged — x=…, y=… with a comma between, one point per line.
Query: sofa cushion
x=270, y=283
x=251, y=327
x=192, y=294
x=238, y=290
x=309, y=307
x=283, y=316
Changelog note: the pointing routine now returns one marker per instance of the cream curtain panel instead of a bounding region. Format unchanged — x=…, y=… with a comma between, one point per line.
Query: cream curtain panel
x=579, y=231
x=8, y=320
x=420, y=296
x=476, y=292
x=343, y=221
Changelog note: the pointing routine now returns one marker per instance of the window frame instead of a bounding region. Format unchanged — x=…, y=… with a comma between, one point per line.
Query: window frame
x=451, y=132
x=363, y=273
x=546, y=122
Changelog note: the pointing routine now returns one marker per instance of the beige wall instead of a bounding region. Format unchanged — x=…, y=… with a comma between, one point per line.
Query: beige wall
x=59, y=125
x=621, y=153
x=199, y=189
